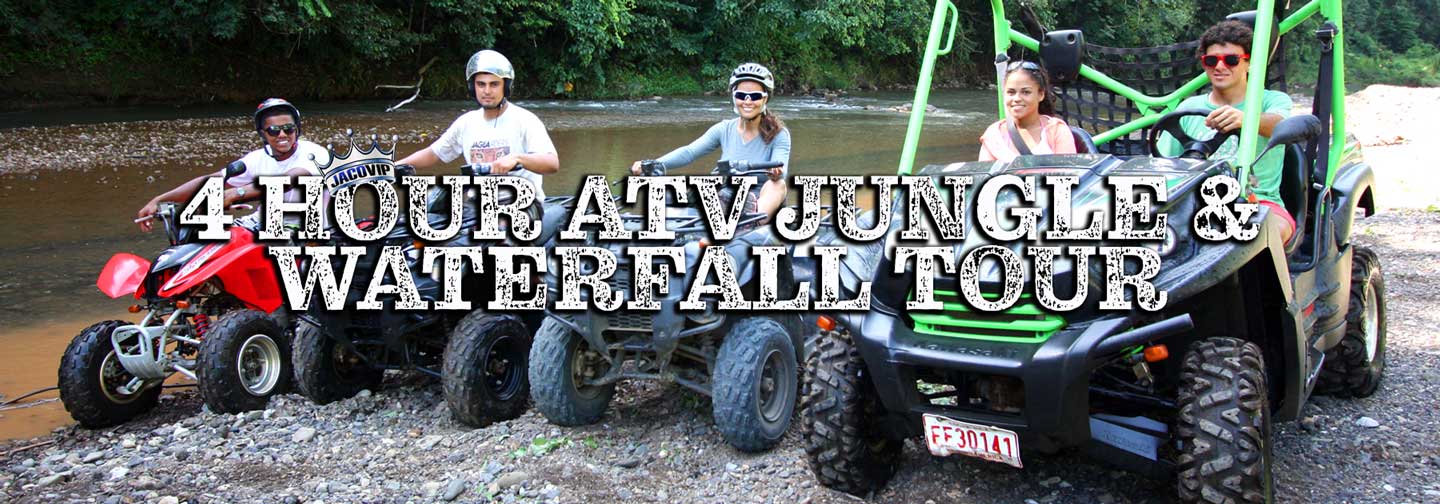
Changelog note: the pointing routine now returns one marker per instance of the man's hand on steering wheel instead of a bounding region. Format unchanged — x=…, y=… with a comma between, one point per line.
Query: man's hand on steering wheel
x=1225, y=119
x=1194, y=148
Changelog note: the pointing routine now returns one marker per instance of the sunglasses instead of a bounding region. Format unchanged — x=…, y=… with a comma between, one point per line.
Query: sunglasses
x=1213, y=60
x=755, y=96
x=275, y=130
x=1027, y=65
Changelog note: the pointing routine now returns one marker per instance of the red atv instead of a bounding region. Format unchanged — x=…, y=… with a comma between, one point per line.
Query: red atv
x=212, y=313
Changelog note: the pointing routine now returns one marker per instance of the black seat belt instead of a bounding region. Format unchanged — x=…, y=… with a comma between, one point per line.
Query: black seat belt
x=1018, y=140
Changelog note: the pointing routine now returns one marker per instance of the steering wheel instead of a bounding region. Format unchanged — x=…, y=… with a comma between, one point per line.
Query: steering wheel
x=1199, y=149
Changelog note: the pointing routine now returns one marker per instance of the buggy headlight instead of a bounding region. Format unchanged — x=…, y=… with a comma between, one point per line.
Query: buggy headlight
x=1167, y=245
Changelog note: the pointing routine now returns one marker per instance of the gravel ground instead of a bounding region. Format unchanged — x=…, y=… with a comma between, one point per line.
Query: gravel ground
x=658, y=443
x=399, y=444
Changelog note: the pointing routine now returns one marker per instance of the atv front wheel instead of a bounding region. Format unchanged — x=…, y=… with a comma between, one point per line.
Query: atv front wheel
x=754, y=384
x=561, y=361
x=325, y=370
x=1224, y=424
x=244, y=359
x=838, y=410
x=90, y=374
x=485, y=373
x=1354, y=367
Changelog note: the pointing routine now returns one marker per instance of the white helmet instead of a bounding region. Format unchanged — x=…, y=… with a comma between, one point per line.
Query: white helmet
x=753, y=72
x=491, y=62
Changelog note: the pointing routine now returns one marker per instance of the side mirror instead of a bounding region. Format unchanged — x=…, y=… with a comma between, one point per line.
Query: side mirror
x=1292, y=130
x=235, y=168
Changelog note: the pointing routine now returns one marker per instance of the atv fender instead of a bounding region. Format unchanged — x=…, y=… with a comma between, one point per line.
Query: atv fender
x=122, y=275
x=242, y=267
x=1354, y=188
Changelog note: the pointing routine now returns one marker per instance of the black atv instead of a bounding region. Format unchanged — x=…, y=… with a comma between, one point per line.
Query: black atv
x=479, y=356
x=747, y=364
x=1190, y=392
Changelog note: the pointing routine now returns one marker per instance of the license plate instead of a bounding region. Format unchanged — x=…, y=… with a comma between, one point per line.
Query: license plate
x=947, y=437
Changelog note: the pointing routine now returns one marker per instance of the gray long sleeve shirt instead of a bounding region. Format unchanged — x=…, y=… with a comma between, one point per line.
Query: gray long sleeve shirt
x=726, y=135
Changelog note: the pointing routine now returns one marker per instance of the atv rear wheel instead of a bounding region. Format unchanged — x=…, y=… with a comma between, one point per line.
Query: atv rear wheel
x=89, y=374
x=325, y=370
x=244, y=359
x=1224, y=424
x=754, y=385
x=485, y=373
x=560, y=362
x=839, y=408
x=1354, y=367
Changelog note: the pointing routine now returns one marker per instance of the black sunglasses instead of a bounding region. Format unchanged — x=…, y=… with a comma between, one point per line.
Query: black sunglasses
x=1212, y=60
x=755, y=96
x=275, y=130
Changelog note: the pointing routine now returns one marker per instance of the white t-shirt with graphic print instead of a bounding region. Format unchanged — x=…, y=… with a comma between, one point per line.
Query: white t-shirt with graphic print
x=481, y=140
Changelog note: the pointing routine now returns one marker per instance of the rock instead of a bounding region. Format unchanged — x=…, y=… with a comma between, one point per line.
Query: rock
x=92, y=456
x=454, y=489
x=428, y=442
x=180, y=432
x=1105, y=498
x=51, y=479
x=364, y=393
x=127, y=443
x=114, y=499
x=1308, y=424
x=145, y=483
x=511, y=479
x=629, y=463
x=168, y=499
x=1367, y=422
x=118, y=473
x=431, y=488
x=731, y=467
x=551, y=492
x=1388, y=488
x=1049, y=482
x=302, y=435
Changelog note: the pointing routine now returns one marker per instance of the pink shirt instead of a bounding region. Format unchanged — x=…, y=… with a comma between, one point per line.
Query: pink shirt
x=1055, y=138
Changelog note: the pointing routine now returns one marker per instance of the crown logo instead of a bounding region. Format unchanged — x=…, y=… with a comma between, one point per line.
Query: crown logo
x=372, y=163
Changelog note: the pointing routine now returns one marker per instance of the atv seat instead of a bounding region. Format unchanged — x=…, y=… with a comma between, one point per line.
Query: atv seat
x=1295, y=190
x=1083, y=143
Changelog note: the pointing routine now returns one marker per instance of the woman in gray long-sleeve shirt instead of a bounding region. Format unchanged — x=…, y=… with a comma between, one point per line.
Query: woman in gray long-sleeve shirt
x=757, y=135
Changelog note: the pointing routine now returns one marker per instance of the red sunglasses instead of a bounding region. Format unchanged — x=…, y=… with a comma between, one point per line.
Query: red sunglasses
x=1212, y=60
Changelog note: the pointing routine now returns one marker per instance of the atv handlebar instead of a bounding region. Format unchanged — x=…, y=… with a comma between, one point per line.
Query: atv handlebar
x=483, y=169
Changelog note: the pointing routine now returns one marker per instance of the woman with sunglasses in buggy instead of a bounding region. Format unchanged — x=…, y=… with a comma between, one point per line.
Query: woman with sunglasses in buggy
x=1030, y=126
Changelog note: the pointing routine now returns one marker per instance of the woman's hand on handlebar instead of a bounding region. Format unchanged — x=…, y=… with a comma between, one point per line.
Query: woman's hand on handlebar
x=776, y=172
x=635, y=169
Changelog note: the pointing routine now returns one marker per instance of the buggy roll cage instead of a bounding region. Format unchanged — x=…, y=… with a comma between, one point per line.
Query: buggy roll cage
x=1152, y=108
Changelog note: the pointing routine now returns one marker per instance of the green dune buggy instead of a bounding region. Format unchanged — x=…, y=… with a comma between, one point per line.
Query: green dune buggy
x=1190, y=392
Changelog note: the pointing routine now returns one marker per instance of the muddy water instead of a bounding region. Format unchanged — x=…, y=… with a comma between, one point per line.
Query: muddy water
x=71, y=181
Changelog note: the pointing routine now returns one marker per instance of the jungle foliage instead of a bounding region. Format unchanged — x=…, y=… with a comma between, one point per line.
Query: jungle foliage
x=236, y=50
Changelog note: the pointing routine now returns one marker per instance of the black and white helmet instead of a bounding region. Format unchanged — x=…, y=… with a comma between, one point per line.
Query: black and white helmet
x=266, y=106
x=753, y=72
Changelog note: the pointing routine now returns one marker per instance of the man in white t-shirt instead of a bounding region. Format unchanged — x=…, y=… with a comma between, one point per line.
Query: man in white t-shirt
x=284, y=154
x=511, y=139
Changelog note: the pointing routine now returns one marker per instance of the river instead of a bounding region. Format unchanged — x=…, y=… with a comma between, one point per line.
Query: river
x=71, y=181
